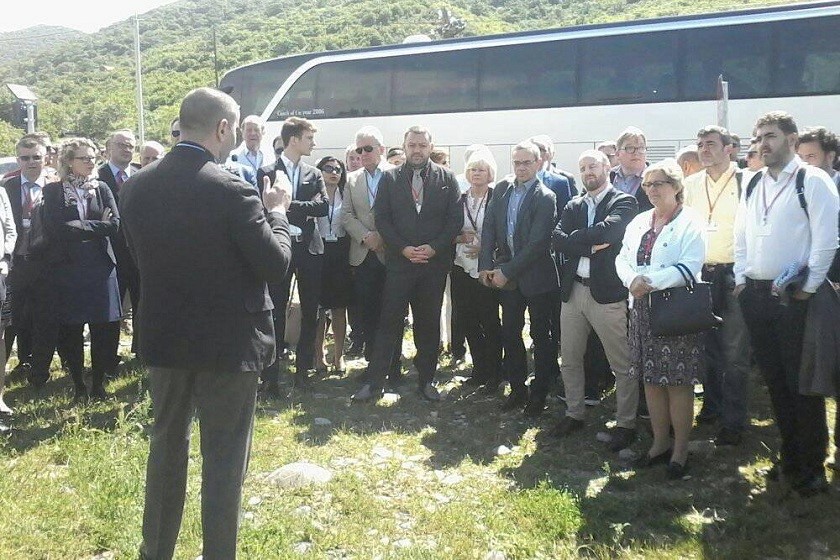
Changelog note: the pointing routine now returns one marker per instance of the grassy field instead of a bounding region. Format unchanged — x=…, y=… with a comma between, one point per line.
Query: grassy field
x=411, y=480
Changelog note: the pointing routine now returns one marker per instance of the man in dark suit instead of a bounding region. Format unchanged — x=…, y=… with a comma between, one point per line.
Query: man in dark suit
x=205, y=247
x=120, y=150
x=309, y=202
x=516, y=257
x=418, y=215
x=589, y=235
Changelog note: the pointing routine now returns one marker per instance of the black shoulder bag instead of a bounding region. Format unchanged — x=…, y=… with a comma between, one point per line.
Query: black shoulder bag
x=683, y=310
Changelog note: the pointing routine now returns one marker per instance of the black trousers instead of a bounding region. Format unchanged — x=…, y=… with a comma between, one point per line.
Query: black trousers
x=422, y=288
x=369, y=289
x=541, y=309
x=477, y=308
x=776, y=332
x=21, y=283
x=307, y=269
x=128, y=279
x=102, y=351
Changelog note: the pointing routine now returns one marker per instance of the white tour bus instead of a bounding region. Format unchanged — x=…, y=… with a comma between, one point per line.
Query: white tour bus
x=580, y=85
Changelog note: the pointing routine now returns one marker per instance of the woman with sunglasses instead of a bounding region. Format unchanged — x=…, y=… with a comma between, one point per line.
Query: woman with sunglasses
x=79, y=216
x=336, y=285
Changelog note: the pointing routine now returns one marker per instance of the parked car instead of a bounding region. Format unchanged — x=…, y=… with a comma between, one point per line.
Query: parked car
x=7, y=165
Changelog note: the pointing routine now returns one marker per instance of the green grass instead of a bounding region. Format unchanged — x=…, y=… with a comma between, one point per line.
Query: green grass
x=411, y=481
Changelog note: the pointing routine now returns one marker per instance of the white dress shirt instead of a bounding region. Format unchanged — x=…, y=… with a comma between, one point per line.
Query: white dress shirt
x=330, y=226
x=293, y=173
x=683, y=240
x=772, y=231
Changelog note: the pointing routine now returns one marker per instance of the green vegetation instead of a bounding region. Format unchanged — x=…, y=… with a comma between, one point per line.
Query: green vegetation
x=86, y=82
x=410, y=480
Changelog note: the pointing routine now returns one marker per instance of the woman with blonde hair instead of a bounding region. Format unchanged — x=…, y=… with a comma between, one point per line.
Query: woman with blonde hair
x=654, y=243
x=79, y=216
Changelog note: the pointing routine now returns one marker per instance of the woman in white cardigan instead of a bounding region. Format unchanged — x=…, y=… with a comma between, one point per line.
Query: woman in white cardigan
x=654, y=242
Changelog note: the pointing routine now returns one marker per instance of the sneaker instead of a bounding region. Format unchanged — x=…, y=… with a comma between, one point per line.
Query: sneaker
x=566, y=426
x=622, y=438
x=728, y=436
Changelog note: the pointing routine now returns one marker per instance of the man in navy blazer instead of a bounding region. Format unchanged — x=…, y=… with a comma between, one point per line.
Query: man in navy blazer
x=516, y=257
x=309, y=202
x=205, y=247
x=418, y=214
x=589, y=235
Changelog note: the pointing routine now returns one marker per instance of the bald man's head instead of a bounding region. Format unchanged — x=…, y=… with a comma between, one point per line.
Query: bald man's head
x=209, y=117
x=149, y=152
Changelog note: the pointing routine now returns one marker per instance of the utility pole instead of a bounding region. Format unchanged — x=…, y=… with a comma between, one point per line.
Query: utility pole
x=215, y=56
x=138, y=78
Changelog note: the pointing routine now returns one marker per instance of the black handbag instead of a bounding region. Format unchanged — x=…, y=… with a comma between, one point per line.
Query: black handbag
x=683, y=310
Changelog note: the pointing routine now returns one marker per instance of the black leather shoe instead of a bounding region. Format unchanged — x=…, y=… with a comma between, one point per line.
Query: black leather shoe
x=646, y=461
x=566, y=426
x=677, y=471
x=80, y=394
x=728, y=436
x=429, y=392
x=622, y=438
x=514, y=401
x=99, y=394
x=705, y=417
x=270, y=390
x=366, y=394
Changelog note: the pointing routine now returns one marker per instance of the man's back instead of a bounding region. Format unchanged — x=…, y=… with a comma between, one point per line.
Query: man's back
x=205, y=250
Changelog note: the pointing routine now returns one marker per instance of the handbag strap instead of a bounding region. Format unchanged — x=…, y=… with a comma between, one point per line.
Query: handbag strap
x=686, y=274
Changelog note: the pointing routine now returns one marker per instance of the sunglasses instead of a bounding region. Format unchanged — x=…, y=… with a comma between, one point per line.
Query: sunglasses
x=367, y=149
x=30, y=158
x=176, y=133
x=331, y=169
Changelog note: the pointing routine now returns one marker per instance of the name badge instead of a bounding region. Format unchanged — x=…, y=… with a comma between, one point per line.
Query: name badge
x=763, y=230
x=27, y=222
x=711, y=227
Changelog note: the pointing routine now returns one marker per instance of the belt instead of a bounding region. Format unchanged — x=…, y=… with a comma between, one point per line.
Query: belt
x=764, y=285
x=728, y=267
x=582, y=280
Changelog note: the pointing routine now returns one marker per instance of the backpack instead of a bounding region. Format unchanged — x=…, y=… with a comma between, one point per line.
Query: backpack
x=800, y=188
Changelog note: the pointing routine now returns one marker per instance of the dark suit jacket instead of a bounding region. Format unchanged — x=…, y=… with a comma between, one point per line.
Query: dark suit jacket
x=12, y=187
x=205, y=248
x=63, y=226
x=120, y=247
x=532, y=266
x=440, y=219
x=575, y=238
x=305, y=204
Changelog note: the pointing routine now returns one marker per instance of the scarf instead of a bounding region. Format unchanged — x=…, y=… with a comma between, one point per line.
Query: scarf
x=73, y=182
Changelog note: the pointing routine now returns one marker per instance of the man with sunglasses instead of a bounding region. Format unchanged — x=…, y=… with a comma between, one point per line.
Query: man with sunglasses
x=367, y=250
x=175, y=130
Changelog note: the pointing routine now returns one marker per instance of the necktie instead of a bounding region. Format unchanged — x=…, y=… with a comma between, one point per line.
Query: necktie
x=417, y=189
x=121, y=177
x=27, y=199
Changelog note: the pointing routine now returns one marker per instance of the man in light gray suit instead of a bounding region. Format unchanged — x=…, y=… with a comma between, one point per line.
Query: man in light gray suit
x=367, y=250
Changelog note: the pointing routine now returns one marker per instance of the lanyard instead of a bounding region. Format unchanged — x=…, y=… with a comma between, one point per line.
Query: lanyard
x=331, y=212
x=775, y=198
x=474, y=219
x=717, y=198
x=254, y=163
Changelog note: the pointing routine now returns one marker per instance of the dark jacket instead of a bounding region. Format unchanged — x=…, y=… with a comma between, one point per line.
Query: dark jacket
x=575, y=238
x=63, y=226
x=118, y=239
x=13, y=186
x=310, y=200
x=205, y=249
x=440, y=219
x=532, y=267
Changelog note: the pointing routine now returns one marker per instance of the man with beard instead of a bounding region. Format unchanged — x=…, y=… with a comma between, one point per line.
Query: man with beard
x=786, y=221
x=589, y=235
x=418, y=214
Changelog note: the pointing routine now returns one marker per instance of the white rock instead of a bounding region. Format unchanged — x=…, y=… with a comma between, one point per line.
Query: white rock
x=390, y=398
x=322, y=422
x=249, y=515
x=382, y=452
x=402, y=543
x=302, y=547
x=503, y=450
x=495, y=555
x=254, y=501
x=296, y=475
x=303, y=510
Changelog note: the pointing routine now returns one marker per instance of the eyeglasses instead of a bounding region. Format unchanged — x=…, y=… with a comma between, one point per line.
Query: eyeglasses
x=125, y=146
x=367, y=149
x=523, y=163
x=331, y=169
x=655, y=184
x=32, y=158
x=87, y=159
x=751, y=154
x=634, y=149
x=175, y=133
